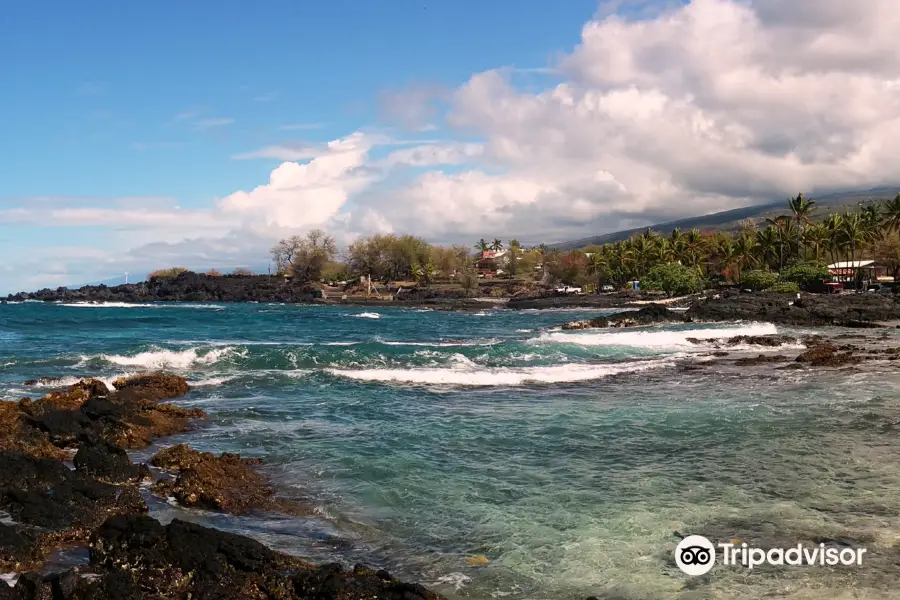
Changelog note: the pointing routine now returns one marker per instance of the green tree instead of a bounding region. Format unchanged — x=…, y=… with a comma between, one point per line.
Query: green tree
x=482, y=245
x=758, y=280
x=468, y=279
x=314, y=251
x=807, y=276
x=673, y=279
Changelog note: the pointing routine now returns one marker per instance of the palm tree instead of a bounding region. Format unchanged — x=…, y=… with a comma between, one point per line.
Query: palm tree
x=872, y=222
x=853, y=230
x=598, y=263
x=482, y=245
x=801, y=209
x=726, y=254
x=767, y=244
x=693, y=246
x=744, y=248
x=890, y=211
x=815, y=237
x=779, y=224
x=497, y=245
x=833, y=225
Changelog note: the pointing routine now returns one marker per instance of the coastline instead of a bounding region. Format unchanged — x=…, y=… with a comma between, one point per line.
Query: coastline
x=96, y=504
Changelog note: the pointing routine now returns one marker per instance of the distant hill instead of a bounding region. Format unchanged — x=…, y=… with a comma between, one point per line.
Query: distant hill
x=729, y=220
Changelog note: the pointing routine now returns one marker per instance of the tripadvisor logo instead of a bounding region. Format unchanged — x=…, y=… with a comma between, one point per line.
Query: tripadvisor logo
x=695, y=555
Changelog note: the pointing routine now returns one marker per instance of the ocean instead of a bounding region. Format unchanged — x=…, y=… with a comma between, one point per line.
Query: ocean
x=424, y=440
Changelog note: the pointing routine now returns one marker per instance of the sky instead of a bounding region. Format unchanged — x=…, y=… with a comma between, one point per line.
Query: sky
x=145, y=135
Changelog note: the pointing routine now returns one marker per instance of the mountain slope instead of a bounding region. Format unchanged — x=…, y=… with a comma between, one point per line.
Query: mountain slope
x=729, y=220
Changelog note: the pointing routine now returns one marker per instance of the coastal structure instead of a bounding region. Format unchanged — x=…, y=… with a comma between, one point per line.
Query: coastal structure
x=853, y=270
x=490, y=262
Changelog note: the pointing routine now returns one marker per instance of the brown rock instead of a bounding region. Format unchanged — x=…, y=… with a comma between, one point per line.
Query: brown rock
x=226, y=483
x=826, y=354
x=150, y=387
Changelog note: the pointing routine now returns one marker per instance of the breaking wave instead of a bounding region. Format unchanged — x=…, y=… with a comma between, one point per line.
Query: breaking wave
x=173, y=359
x=469, y=374
x=654, y=339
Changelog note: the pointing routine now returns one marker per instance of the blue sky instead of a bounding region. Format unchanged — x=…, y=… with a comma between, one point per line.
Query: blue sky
x=135, y=99
x=141, y=135
x=107, y=99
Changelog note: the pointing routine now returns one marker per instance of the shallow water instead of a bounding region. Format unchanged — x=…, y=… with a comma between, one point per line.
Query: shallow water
x=568, y=459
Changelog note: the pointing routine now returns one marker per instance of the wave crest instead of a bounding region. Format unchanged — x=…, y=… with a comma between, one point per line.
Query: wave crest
x=467, y=373
x=654, y=339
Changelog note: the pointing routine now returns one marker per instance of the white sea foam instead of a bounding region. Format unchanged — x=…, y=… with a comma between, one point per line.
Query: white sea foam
x=66, y=381
x=211, y=381
x=466, y=373
x=457, y=580
x=138, y=305
x=654, y=339
x=174, y=359
x=10, y=578
x=440, y=344
x=366, y=315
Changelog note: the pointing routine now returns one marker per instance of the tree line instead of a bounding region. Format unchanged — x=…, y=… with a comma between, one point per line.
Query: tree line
x=784, y=252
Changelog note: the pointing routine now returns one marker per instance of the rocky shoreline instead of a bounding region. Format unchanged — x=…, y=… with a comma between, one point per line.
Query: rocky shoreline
x=47, y=505
x=807, y=310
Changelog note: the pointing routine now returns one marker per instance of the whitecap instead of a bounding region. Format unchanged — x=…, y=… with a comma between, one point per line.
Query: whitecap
x=656, y=339
x=158, y=359
x=211, y=381
x=466, y=373
x=439, y=344
x=366, y=315
x=10, y=578
x=138, y=305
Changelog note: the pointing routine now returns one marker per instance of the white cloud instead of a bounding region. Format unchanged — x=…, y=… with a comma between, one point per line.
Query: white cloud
x=429, y=155
x=292, y=152
x=674, y=111
x=305, y=195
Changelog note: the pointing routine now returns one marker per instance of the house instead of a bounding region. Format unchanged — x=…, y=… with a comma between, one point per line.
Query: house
x=852, y=270
x=490, y=261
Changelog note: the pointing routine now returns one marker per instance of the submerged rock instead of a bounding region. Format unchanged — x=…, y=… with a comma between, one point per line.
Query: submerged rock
x=760, y=359
x=828, y=355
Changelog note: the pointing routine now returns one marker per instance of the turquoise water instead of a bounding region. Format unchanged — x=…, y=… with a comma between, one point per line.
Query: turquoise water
x=420, y=439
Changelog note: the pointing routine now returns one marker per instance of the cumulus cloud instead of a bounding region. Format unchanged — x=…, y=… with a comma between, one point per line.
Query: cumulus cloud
x=305, y=195
x=413, y=107
x=673, y=110
x=429, y=155
x=712, y=105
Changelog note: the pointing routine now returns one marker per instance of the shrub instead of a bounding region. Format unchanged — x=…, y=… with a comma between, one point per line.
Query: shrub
x=807, y=276
x=759, y=280
x=242, y=272
x=784, y=287
x=213, y=273
x=672, y=278
x=171, y=273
